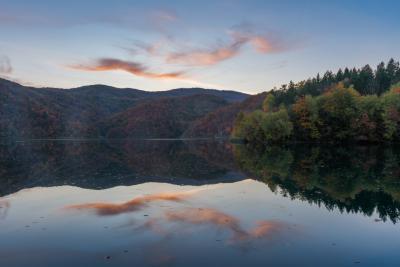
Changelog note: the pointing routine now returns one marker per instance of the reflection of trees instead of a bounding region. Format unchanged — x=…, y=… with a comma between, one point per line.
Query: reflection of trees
x=351, y=179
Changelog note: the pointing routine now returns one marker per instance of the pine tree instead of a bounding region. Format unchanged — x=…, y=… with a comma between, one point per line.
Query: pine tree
x=382, y=79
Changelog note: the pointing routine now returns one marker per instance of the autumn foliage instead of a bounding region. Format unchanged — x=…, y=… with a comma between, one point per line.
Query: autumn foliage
x=341, y=114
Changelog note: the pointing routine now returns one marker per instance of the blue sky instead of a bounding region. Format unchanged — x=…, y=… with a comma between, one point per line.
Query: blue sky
x=250, y=46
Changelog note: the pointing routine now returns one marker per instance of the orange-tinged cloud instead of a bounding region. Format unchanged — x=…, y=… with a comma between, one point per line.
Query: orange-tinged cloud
x=213, y=56
x=207, y=57
x=138, y=69
x=132, y=205
x=267, y=45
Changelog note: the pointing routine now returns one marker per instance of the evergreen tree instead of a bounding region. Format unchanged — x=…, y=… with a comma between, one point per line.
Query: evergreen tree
x=365, y=81
x=382, y=79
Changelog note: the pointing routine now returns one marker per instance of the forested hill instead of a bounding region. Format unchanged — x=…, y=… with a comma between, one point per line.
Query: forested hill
x=361, y=105
x=27, y=112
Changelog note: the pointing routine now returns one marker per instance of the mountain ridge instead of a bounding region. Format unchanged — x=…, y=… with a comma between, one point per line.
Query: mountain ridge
x=34, y=113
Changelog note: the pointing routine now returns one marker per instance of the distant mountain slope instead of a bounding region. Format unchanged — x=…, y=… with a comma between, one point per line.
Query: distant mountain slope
x=230, y=96
x=104, y=90
x=27, y=112
x=220, y=121
x=160, y=118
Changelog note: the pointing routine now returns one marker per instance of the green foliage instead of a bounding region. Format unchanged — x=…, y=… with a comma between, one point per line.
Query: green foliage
x=248, y=127
x=391, y=114
x=269, y=103
x=339, y=110
x=306, y=118
x=339, y=115
x=261, y=127
x=276, y=126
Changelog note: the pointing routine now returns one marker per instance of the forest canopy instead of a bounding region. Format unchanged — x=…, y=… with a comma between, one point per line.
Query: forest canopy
x=357, y=105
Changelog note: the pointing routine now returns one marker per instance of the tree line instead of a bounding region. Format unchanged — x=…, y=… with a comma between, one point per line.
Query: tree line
x=357, y=105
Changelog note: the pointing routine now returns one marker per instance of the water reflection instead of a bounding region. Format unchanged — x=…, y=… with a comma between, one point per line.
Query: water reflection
x=132, y=205
x=105, y=164
x=189, y=204
x=350, y=179
x=221, y=220
x=4, y=206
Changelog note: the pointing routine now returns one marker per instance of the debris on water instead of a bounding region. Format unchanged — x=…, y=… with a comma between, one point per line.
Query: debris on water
x=105, y=227
x=357, y=262
x=218, y=240
x=126, y=251
x=145, y=215
x=107, y=257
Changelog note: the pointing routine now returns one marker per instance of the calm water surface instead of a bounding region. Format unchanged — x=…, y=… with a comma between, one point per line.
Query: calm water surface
x=197, y=203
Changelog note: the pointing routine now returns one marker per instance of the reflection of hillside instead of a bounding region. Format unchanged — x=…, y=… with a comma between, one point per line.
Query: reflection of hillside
x=219, y=152
x=103, y=164
x=357, y=179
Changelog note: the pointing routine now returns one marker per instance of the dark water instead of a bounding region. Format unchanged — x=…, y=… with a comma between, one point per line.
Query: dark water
x=197, y=203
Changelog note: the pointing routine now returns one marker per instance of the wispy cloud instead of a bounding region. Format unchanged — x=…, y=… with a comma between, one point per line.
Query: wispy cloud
x=208, y=56
x=151, y=49
x=5, y=65
x=135, y=68
x=204, y=57
x=138, y=69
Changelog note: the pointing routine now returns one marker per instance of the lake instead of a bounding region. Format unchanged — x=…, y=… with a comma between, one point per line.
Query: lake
x=197, y=203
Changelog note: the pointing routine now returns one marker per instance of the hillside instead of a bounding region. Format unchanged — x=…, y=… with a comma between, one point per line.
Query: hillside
x=27, y=112
x=161, y=118
x=220, y=122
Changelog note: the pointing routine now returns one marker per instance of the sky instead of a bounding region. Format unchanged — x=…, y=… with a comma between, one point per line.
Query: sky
x=249, y=46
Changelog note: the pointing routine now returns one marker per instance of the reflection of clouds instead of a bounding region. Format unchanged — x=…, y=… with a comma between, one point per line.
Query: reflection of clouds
x=132, y=205
x=225, y=221
x=172, y=225
x=263, y=228
x=207, y=216
x=213, y=217
x=4, y=206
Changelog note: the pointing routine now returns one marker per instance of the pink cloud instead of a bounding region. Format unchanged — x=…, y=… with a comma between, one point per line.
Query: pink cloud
x=205, y=57
x=138, y=69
